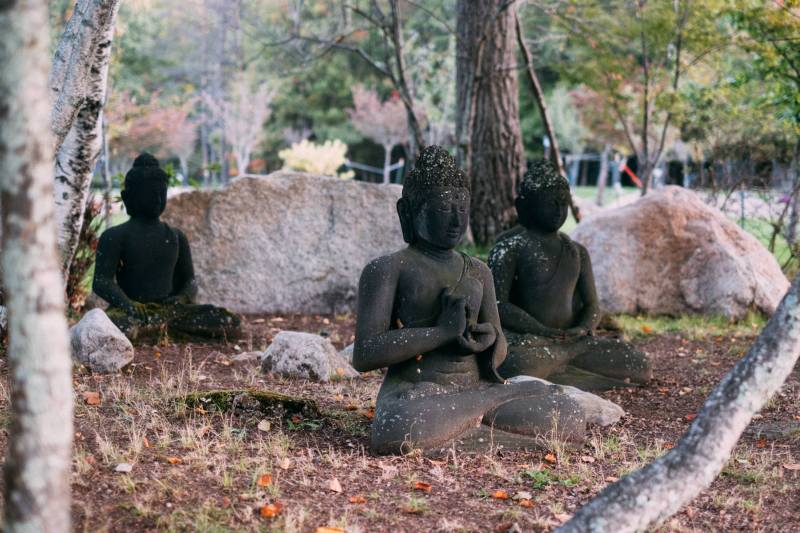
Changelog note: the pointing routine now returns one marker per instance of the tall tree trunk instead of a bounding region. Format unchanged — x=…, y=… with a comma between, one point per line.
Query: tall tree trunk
x=602, y=176
x=77, y=155
x=488, y=130
x=655, y=492
x=38, y=457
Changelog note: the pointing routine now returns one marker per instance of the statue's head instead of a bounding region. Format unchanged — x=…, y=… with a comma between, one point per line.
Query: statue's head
x=543, y=198
x=145, y=191
x=435, y=204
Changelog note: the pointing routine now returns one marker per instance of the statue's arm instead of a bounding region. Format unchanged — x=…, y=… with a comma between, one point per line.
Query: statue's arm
x=183, y=280
x=503, y=264
x=489, y=313
x=377, y=345
x=589, y=316
x=104, y=283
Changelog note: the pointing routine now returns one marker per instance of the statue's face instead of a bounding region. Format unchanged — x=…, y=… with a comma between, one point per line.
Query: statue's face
x=548, y=212
x=145, y=199
x=442, y=219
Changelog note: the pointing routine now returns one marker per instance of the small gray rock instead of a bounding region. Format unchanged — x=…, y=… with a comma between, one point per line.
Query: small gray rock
x=347, y=353
x=98, y=344
x=247, y=358
x=304, y=355
x=596, y=409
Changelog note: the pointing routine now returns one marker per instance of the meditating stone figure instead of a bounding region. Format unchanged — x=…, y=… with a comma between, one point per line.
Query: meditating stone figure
x=429, y=314
x=144, y=268
x=547, y=299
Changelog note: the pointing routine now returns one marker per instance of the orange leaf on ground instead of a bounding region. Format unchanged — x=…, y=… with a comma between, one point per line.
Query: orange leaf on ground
x=264, y=480
x=421, y=485
x=550, y=458
x=691, y=416
x=526, y=503
x=646, y=329
x=174, y=460
x=296, y=419
x=500, y=495
x=351, y=407
x=146, y=443
x=358, y=498
x=91, y=398
x=370, y=413
x=762, y=443
x=270, y=511
x=329, y=529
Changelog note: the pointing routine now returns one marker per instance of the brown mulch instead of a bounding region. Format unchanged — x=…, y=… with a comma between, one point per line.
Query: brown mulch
x=199, y=470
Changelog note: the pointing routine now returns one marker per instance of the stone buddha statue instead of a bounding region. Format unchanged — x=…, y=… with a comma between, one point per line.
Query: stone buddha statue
x=144, y=268
x=547, y=299
x=429, y=314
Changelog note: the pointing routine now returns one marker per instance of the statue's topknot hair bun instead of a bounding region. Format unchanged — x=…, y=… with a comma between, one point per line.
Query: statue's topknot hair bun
x=145, y=160
x=435, y=167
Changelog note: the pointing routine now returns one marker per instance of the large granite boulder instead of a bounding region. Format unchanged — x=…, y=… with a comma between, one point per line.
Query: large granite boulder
x=288, y=242
x=305, y=355
x=98, y=344
x=670, y=253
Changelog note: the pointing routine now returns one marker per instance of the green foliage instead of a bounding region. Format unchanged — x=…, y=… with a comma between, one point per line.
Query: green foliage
x=691, y=326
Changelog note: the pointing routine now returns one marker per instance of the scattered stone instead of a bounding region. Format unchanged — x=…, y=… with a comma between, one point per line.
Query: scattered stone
x=247, y=358
x=125, y=468
x=299, y=249
x=669, y=253
x=99, y=345
x=596, y=409
x=305, y=355
x=347, y=353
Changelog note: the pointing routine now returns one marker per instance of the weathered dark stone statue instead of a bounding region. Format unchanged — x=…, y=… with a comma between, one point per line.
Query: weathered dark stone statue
x=429, y=314
x=547, y=299
x=144, y=268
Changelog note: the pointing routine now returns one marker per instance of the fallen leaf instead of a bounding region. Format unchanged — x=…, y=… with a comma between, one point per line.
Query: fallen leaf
x=174, y=460
x=791, y=466
x=258, y=321
x=762, y=443
x=146, y=443
x=370, y=413
x=226, y=502
x=612, y=479
x=351, y=407
x=500, y=495
x=562, y=517
x=329, y=529
x=646, y=329
x=424, y=487
x=334, y=485
x=270, y=511
x=284, y=463
x=91, y=398
x=691, y=416
x=296, y=419
x=124, y=468
x=550, y=458
x=523, y=495
x=264, y=480
x=200, y=411
x=264, y=426
x=587, y=459
x=526, y=503
x=358, y=498
x=434, y=462
x=340, y=373
x=663, y=390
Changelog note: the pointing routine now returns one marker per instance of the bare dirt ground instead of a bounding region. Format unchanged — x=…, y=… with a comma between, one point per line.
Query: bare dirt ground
x=193, y=469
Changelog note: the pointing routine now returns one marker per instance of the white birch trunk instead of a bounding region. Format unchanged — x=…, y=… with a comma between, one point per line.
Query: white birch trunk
x=38, y=458
x=657, y=491
x=79, y=90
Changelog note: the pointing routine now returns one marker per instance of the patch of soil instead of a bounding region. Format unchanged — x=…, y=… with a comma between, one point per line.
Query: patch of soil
x=195, y=469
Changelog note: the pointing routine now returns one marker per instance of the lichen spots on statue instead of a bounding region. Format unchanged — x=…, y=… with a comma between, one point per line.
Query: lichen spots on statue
x=144, y=268
x=547, y=298
x=429, y=314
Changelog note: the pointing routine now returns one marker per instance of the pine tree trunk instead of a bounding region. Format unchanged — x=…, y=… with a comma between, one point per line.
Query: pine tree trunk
x=77, y=155
x=488, y=130
x=38, y=456
x=655, y=492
